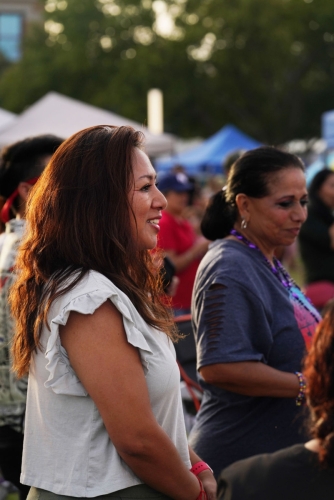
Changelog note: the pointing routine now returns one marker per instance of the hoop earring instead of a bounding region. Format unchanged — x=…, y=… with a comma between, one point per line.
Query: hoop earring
x=243, y=224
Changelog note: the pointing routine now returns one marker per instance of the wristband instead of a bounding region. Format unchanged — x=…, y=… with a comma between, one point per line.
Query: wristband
x=202, y=494
x=199, y=467
x=302, y=388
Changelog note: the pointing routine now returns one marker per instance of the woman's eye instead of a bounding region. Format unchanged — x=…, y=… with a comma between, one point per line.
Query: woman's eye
x=289, y=204
x=146, y=187
x=286, y=204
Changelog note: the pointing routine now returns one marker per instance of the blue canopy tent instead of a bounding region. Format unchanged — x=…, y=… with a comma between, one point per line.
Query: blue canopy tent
x=209, y=156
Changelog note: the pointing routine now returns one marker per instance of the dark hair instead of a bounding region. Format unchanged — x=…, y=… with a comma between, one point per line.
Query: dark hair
x=319, y=373
x=79, y=218
x=22, y=160
x=317, y=182
x=250, y=175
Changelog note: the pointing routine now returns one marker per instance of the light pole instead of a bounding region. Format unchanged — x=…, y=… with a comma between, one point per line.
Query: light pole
x=155, y=111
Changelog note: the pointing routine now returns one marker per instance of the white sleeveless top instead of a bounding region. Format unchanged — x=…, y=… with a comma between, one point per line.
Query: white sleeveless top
x=67, y=449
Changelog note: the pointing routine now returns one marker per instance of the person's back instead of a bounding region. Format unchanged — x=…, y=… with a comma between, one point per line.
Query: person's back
x=303, y=471
x=291, y=474
x=20, y=166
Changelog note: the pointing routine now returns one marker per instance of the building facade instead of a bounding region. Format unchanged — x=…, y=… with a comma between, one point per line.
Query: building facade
x=15, y=15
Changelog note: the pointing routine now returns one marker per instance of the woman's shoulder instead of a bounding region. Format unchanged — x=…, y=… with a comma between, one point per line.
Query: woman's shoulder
x=91, y=291
x=229, y=250
x=90, y=282
x=231, y=259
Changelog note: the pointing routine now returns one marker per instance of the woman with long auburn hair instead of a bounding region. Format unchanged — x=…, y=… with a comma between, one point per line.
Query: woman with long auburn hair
x=104, y=413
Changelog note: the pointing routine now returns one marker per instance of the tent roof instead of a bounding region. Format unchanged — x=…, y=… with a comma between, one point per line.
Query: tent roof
x=208, y=156
x=63, y=116
x=6, y=118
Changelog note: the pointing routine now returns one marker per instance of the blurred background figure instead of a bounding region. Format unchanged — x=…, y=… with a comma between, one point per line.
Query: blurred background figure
x=2, y=225
x=316, y=240
x=300, y=472
x=230, y=159
x=251, y=321
x=20, y=166
x=178, y=238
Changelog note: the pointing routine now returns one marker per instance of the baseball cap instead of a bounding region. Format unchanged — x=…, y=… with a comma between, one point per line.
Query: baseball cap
x=175, y=182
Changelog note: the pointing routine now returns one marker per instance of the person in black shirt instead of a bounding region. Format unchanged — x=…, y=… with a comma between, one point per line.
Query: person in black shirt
x=300, y=472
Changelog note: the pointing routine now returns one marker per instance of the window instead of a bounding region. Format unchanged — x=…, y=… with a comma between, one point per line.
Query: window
x=11, y=30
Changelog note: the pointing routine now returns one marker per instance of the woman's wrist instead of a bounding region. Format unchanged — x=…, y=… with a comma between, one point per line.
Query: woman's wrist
x=202, y=494
x=300, y=399
x=199, y=467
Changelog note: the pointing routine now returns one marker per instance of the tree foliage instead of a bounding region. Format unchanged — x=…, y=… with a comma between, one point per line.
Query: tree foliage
x=266, y=67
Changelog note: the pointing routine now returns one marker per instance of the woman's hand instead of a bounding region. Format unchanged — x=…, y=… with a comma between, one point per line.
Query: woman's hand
x=206, y=476
x=209, y=484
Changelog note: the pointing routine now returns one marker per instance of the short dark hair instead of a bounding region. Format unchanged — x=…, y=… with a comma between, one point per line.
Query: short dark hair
x=250, y=175
x=21, y=160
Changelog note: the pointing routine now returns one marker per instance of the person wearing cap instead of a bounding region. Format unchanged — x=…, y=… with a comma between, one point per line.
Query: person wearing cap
x=178, y=239
x=21, y=164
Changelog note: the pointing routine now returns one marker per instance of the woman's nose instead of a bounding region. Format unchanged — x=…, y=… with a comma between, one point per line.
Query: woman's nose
x=300, y=213
x=160, y=201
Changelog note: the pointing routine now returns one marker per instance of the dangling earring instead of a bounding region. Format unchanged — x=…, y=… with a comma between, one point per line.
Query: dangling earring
x=243, y=224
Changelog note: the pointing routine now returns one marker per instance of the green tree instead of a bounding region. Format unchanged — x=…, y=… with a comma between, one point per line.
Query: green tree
x=267, y=66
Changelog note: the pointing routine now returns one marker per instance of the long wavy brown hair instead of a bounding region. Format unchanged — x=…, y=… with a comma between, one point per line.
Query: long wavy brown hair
x=79, y=218
x=319, y=373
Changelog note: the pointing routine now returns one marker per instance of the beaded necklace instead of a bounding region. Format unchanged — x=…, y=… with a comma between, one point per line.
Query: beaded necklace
x=281, y=274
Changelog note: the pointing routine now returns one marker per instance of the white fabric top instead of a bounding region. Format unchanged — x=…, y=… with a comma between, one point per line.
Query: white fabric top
x=66, y=447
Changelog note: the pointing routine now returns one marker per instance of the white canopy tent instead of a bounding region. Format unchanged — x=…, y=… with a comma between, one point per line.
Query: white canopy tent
x=6, y=118
x=63, y=116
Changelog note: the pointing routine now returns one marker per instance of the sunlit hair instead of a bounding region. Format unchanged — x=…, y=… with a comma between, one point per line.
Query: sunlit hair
x=79, y=220
x=319, y=373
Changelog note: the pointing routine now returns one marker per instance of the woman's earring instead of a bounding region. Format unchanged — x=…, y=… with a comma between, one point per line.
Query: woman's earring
x=243, y=224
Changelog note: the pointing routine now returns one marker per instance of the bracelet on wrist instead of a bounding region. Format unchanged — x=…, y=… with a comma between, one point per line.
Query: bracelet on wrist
x=300, y=399
x=199, y=467
x=202, y=494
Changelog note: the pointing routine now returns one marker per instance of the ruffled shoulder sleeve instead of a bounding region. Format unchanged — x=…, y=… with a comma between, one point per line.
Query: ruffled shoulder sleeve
x=85, y=300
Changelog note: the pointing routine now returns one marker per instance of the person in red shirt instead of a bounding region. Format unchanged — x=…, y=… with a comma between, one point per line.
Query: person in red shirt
x=178, y=239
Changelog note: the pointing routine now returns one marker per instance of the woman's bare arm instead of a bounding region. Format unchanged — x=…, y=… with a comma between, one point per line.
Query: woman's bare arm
x=251, y=378
x=111, y=371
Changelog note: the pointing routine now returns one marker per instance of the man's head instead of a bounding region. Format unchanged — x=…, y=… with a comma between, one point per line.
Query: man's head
x=176, y=188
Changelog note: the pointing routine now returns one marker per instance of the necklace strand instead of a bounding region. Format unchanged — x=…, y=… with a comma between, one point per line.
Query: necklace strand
x=278, y=270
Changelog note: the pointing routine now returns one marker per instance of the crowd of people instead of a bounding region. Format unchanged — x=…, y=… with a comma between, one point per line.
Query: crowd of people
x=89, y=380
